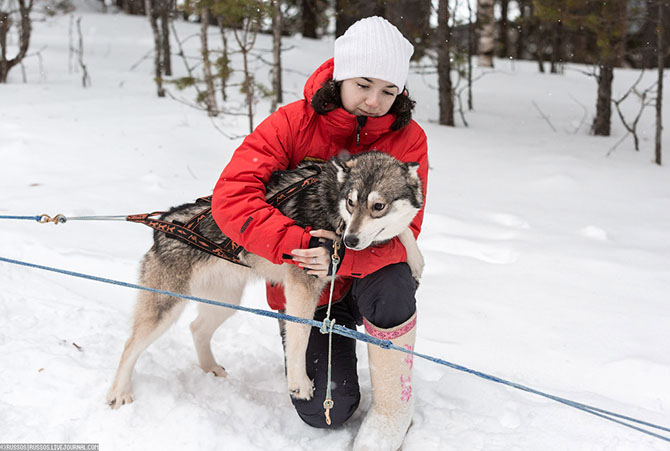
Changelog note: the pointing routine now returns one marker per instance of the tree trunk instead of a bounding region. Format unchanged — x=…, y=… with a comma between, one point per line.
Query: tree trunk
x=4, y=30
x=158, y=61
x=504, y=27
x=210, y=96
x=486, y=33
x=522, y=32
x=471, y=48
x=165, y=37
x=24, y=38
x=249, y=89
x=444, y=64
x=557, y=49
x=659, y=91
x=226, y=62
x=278, y=97
x=309, y=18
x=601, y=123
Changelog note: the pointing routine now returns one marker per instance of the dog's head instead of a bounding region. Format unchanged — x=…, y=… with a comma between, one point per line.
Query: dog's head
x=379, y=197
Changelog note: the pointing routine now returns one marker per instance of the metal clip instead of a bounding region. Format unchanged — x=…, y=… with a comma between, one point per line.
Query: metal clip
x=59, y=218
x=328, y=404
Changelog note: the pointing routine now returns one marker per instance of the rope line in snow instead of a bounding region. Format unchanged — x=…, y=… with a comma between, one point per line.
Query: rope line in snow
x=386, y=344
x=61, y=219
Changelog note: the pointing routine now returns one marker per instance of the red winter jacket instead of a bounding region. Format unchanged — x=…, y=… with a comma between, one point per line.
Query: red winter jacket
x=283, y=140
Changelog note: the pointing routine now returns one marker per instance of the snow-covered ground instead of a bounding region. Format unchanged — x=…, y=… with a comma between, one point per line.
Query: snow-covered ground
x=547, y=263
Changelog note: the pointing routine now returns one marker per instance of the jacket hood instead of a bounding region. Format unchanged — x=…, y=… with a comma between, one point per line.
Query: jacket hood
x=339, y=120
x=318, y=78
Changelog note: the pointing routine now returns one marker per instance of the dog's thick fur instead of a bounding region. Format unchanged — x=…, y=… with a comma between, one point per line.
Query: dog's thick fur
x=375, y=194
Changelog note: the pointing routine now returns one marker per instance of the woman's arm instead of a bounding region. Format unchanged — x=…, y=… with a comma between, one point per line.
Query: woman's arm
x=238, y=204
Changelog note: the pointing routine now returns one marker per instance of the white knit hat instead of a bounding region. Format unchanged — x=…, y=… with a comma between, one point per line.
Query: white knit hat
x=374, y=48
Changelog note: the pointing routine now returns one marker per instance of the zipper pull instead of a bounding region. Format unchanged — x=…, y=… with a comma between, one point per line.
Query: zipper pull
x=361, y=120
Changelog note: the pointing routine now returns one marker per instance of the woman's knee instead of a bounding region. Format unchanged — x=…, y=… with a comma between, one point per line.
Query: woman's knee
x=313, y=413
x=386, y=297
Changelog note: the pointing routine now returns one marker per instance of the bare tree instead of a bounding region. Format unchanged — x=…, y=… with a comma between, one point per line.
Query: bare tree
x=246, y=39
x=557, y=48
x=223, y=63
x=166, y=7
x=210, y=95
x=471, y=45
x=503, y=48
x=158, y=60
x=486, y=33
x=444, y=64
x=645, y=101
x=278, y=97
x=661, y=53
x=85, y=79
x=6, y=20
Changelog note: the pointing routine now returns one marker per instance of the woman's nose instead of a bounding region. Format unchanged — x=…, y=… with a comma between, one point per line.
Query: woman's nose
x=372, y=100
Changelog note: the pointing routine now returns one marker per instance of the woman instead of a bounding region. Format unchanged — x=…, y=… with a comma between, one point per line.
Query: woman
x=354, y=102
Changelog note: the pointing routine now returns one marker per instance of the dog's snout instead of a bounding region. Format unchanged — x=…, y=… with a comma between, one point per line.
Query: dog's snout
x=351, y=241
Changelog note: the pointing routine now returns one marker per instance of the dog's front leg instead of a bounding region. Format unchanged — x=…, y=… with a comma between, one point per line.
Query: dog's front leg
x=414, y=256
x=302, y=294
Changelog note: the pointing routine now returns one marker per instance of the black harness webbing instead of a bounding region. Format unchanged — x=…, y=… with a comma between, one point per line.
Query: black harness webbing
x=188, y=233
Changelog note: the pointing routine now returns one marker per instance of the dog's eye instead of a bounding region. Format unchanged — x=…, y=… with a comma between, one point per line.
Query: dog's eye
x=379, y=206
x=350, y=202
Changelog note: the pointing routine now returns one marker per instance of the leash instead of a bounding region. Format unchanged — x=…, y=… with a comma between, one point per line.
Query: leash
x=188, y=232
x=62, y=219
x=327, y=327
x=620, y=419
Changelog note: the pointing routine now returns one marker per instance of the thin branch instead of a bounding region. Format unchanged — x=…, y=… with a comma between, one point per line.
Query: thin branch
x=584, y=117
x=141, y=60
x=216, y=126
x=617, y=144
x=544, y=116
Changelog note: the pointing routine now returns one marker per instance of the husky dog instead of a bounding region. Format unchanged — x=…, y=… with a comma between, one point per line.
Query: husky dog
x=373, y=193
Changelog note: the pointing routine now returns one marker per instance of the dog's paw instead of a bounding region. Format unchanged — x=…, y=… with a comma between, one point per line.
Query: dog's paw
x=117, y=399
x=301, y=390
x=217, y=370
x=416, y=265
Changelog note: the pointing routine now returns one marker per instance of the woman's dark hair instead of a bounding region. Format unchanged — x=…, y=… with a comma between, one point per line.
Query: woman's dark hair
x=327, y=98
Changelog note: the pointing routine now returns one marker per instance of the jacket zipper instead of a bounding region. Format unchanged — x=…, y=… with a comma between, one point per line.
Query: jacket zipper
x=360, y=120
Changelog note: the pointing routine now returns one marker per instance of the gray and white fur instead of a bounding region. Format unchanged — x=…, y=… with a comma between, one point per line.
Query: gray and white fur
x=377, y=197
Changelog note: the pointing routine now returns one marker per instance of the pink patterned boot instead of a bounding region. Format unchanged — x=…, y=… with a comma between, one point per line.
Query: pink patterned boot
x=390, y=414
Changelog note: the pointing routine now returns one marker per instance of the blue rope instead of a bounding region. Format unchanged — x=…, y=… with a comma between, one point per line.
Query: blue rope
x=63, y=219
x=33, y=218
x=386, y=344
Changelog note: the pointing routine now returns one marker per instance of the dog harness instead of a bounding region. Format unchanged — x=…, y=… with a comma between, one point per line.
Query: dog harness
x=188, y=232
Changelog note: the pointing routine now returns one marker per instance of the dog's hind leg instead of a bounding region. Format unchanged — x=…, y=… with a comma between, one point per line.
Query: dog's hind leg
x=224, y=287
x=154, y=314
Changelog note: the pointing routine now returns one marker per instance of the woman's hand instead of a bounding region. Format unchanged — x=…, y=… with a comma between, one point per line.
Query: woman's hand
x=315, y=260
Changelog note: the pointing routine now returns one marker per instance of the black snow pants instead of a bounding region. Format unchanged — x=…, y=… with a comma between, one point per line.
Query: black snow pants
x=386, y=299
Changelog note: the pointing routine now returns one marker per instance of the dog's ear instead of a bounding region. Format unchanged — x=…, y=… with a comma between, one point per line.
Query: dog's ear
x=412, y=169
x=343, y=163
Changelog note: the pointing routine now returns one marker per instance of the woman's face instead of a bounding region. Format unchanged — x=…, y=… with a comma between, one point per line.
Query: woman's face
x=367, y=96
